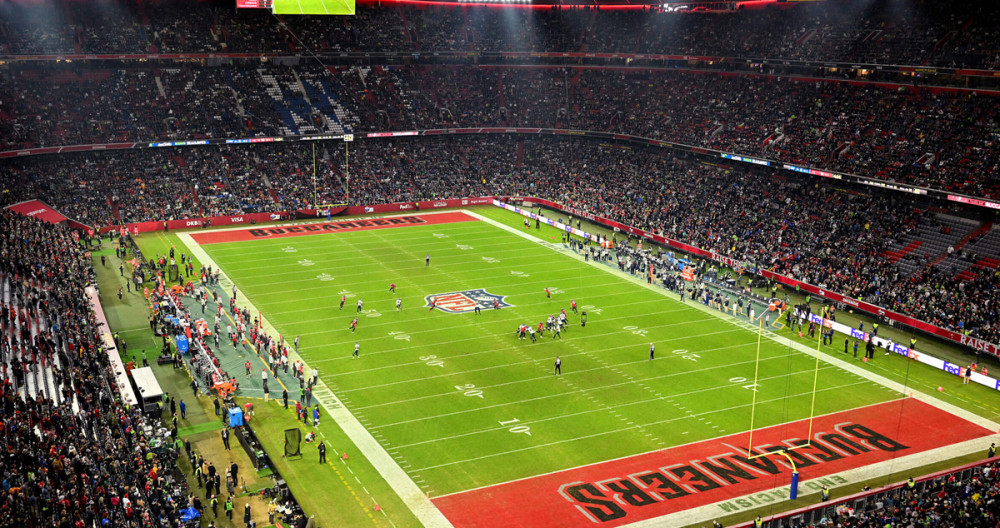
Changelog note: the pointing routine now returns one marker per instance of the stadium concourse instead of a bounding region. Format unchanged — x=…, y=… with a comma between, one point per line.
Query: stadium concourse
x=933, y=131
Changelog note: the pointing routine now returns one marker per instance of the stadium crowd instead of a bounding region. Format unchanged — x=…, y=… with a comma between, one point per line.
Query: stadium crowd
x=923, y=33
x=60, y=411
x=970, y=501
x=830, y=236
x=74, y=454
x=916, y=136
x=773, y=221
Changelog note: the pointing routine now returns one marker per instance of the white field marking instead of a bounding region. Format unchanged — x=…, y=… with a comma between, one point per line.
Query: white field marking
x=538, y=378
x=590, y=396
x=348, y=6
x=322, y=247
x=854, y=477
x=781, y=340
x=414, y=240
x=658, y=422
x=325, y=249
x=605, y=407
x=511, y=347
x=381, y=291
x=635, y=455
x=917, y=460
x=493, y=350
x=318, y=256
x=348, y=276
x=452, y=263
x=379, y=286
x=352, y=218
x=308, y=241
x=376, y=325
x=514, y=291
x=412, y=496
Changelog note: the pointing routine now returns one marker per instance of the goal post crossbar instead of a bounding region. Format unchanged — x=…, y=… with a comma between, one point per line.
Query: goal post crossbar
x=812, y=404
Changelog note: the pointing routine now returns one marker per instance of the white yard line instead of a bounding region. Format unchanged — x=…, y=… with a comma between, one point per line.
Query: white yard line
x=431, y=517
x=492, y=350
x=411, y=494
x=557, y=394
x=322, y=220
x=781, y=340
x=705, y=513
x=455, y=232
x=606, y=407
x=602, y=433
x=548, y=375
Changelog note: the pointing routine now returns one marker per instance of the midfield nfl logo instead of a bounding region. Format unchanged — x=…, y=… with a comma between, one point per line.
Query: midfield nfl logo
x=465, y=301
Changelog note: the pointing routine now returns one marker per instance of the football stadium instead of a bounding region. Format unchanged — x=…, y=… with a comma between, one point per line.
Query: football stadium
x=477, y=264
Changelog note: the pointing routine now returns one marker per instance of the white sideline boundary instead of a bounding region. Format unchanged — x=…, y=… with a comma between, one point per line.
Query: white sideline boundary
x=431, y=517
x=415, y=500
x=870, y=472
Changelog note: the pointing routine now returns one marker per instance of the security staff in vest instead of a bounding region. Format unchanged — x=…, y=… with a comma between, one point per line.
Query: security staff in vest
x=824, y=494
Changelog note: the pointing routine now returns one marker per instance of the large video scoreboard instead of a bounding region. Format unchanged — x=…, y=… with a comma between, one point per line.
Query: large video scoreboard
x=300, y=7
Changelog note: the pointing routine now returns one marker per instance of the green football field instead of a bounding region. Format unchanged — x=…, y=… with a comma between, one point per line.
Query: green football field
x=460, y=402
x=313, y=7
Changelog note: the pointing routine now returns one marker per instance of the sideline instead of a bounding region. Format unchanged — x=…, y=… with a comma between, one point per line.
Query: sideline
x=431, y=517
x=412, y=496
x=708, y=512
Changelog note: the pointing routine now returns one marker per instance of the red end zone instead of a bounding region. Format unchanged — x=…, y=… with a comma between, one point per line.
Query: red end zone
x=655, y=484
x=361, y=224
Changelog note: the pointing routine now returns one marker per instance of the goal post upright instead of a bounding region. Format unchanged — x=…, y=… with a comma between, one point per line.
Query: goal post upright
x=812, y=405
x=784, y=451
x=753, y=389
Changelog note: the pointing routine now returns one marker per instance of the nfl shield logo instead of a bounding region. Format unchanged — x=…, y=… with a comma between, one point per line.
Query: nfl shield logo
x=465, y=301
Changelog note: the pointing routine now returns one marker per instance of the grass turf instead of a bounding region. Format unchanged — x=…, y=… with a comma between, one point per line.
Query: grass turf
x=313, y=7
x=460, y=402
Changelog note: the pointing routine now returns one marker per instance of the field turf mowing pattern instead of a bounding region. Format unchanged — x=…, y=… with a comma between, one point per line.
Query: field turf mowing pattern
x=313, y=7
x=461, y=403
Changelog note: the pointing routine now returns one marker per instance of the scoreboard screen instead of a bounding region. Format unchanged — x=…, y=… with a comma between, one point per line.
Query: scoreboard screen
x=300, y=7
x=253, y=4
